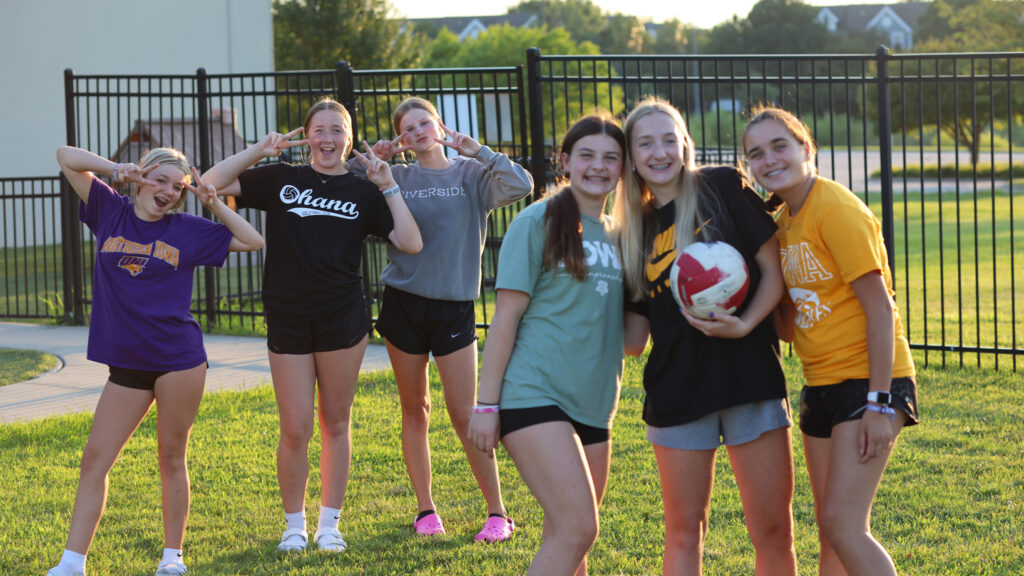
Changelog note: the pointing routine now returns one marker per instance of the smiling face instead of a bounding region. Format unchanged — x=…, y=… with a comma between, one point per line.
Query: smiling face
x=778, y=161
x=657, y=149
x=594, y=166
x=152, y=202
x=330, y=139
x=419, y=129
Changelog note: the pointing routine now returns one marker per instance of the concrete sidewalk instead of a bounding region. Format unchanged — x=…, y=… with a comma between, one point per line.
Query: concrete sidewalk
x=236, y=363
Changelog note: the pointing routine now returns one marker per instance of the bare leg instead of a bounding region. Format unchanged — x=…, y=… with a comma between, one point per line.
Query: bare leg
x=686, y=480
x=294, y=378
x=337, y=375
x=844, y=515
x=553, y=464
x=414, y=395
x=118, y=414
x=458, y=376
x=177, y=401
x=764, y=475
x=599, y=459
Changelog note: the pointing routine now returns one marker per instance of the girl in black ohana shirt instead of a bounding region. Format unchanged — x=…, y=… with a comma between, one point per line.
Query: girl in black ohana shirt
x=317, y=321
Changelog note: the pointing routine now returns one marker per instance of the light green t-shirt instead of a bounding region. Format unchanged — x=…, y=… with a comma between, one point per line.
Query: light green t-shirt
x=569, y=346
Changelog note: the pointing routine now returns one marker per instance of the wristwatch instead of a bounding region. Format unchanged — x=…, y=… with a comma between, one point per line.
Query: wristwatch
x=883, y=398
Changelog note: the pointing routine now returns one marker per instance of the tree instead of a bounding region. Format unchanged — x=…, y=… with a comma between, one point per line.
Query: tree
x=965, y=110
x=623, y=35
x=582, y=19
x=673, y=37
x=780, y=27
x=316, y=34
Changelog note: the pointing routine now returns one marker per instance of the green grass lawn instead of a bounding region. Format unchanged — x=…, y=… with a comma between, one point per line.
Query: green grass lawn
x=950, y=503
x=20, y=365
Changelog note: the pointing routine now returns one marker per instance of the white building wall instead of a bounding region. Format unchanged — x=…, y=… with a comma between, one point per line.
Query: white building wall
x=40, y=38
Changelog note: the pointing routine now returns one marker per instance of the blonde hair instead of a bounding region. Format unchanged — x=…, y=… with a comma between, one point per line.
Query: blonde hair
x=334, y=106
x=170, y=157
x=634, y=209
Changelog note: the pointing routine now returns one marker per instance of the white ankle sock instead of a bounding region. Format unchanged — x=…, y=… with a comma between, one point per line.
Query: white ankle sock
x=73, y=561
x=295, y=520
x=328, y=517
x=172, y=555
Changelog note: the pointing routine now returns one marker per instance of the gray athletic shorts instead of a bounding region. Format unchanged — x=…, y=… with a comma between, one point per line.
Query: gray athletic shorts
x=729, y=427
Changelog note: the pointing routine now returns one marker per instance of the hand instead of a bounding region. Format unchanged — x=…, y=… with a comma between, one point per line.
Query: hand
x=483, y=431
x=204, y=191
x=464, y=144
x=377, y=170
x=387, y=149
x=129, y=172
x=721, y=326
x=274, y=143
x=875, y=437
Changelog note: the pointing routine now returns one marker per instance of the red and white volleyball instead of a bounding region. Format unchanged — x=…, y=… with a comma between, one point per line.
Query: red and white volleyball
x=709, y=278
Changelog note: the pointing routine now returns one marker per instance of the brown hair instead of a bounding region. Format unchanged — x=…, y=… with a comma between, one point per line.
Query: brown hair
x=795, y=126
x=409, y=104
x=564, y=242
x=334, y=106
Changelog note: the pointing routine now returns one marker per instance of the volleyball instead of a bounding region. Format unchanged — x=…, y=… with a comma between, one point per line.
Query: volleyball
x=709, y=278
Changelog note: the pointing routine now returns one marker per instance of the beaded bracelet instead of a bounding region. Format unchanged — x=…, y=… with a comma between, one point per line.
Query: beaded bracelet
x=882, y=410
x=488, y=409
x=115, y=172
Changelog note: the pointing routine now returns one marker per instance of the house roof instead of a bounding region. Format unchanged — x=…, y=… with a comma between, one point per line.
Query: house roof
x=459, y=23
x=858, y=16
x=181, y=134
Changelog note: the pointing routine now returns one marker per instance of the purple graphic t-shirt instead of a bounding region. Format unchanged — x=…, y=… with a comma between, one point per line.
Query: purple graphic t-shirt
x=142, y=283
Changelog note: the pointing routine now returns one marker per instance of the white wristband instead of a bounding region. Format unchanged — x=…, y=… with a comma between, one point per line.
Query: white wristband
x=391, y=191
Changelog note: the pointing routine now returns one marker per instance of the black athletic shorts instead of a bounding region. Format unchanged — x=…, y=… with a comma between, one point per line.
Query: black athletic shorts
x=137, y=379
x=417, y=325
x=337, y=330
x=517, y=418
x=822, y=407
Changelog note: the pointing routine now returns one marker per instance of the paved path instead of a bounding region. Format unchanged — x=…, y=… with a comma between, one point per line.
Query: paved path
x=236, y=363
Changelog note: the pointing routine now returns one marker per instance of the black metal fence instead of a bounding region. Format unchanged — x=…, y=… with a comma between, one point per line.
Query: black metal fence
x=928, y=141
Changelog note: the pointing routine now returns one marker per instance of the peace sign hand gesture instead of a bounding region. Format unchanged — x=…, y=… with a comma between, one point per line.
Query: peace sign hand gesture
x=465, y=145
x=128, y=172
x=388, y=149
x=377, y=171
x=204, y=191
x=274, y=143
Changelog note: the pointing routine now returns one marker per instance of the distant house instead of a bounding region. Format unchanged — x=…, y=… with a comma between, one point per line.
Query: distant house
x=895, y=23
x=181, y=134
x=471, y=26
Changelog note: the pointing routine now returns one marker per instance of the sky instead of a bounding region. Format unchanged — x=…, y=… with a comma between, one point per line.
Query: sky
x=710, y=14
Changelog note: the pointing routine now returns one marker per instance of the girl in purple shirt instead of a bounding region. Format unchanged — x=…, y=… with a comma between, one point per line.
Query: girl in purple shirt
x=141, y=326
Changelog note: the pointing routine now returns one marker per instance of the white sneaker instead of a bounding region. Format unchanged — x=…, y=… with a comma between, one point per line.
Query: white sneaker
x=171, y=568
x=329, y=539
x=59, y=570
x=293, y=540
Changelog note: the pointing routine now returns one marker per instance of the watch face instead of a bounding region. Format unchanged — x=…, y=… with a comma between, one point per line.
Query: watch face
x=880, y=398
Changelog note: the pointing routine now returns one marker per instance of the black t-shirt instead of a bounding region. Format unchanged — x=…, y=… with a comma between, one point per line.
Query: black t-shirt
x=690, y=375
x=314, y=234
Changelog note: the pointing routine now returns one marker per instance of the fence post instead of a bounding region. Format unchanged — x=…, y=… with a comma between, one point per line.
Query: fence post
x=205, y=160
x=71, y=246
x=345, y=92
x=885, y=152
x=537, y=164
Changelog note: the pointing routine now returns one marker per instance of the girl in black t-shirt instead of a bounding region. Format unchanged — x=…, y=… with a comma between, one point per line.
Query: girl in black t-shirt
x=317, y=321
x=712, y=382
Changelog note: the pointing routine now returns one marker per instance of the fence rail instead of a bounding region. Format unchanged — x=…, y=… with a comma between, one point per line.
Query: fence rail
x=929, y=142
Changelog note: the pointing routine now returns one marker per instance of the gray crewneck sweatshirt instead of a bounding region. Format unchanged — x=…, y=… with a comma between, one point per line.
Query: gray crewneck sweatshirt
x=450, y=206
